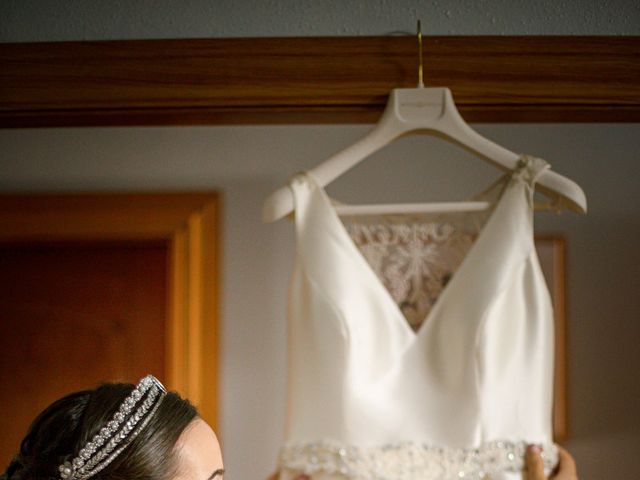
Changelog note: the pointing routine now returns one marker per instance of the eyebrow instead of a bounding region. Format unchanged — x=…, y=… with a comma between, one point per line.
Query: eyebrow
x=220, y=471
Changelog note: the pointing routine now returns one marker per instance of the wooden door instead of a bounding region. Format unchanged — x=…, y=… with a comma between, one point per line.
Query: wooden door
x=100, y=288
x=73, y=315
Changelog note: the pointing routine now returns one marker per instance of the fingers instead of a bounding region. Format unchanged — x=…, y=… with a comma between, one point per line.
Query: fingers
x=566, y=466
x=534, y=464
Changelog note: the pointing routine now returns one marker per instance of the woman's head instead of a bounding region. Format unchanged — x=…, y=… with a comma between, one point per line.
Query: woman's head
x=169, y=440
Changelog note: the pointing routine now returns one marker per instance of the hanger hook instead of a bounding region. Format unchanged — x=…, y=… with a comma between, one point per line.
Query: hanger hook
x=420, y=80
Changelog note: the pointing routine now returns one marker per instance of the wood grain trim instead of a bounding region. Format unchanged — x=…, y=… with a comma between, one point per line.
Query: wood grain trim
x=315, y=80
x=558, y=291
x=560, y=405
x=188, y=222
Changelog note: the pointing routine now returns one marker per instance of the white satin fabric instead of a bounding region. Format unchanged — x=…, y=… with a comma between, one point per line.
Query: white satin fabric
x=479, y=368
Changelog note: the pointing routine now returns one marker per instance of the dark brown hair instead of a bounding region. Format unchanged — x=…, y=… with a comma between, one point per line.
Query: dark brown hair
x=60, y=431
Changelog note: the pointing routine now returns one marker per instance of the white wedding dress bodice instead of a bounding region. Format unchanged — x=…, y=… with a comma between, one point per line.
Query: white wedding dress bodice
x=420, y=347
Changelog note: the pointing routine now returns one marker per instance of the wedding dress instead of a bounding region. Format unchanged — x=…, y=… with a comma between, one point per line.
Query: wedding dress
x=420, y=346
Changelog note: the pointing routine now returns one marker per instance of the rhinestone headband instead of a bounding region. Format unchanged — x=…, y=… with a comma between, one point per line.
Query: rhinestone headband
x=132, y=416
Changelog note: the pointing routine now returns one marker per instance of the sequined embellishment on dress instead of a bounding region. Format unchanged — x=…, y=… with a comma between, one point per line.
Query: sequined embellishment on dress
x=410, y=461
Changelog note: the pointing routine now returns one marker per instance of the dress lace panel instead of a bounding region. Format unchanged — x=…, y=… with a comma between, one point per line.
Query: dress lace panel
x=415, y=259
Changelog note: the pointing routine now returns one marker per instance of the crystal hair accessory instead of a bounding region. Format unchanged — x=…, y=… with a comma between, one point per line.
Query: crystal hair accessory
x=132, y=416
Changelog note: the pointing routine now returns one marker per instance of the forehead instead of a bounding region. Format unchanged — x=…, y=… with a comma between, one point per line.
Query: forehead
x=199, y=452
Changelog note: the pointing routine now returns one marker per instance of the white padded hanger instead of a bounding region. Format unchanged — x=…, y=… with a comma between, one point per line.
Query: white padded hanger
x=431, y=111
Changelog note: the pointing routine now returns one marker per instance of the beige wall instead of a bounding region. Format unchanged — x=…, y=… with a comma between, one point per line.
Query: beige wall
x=246, y=163
x=55, y=20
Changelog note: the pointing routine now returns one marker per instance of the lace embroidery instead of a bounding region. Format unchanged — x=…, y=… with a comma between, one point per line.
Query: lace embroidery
x=414, y=261
x=409, y=460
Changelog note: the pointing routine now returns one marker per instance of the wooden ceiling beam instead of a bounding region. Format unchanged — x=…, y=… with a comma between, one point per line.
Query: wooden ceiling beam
x=315, y=80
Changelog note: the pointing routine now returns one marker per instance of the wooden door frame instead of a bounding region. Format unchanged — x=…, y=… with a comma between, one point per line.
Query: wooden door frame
x=556, y=269
x=189, y=223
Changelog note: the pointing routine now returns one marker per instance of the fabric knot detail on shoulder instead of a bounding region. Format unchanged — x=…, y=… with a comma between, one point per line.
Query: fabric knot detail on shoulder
x=301, y=185
x=530, y=168
x=298, y=178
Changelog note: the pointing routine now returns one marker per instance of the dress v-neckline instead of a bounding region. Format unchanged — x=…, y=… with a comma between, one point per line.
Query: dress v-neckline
x=503, y=182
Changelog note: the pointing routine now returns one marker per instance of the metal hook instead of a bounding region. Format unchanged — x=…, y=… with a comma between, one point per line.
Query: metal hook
x=420, y=82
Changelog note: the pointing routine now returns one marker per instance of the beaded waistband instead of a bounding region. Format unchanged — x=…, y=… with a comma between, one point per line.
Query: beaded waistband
x=410, y=460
